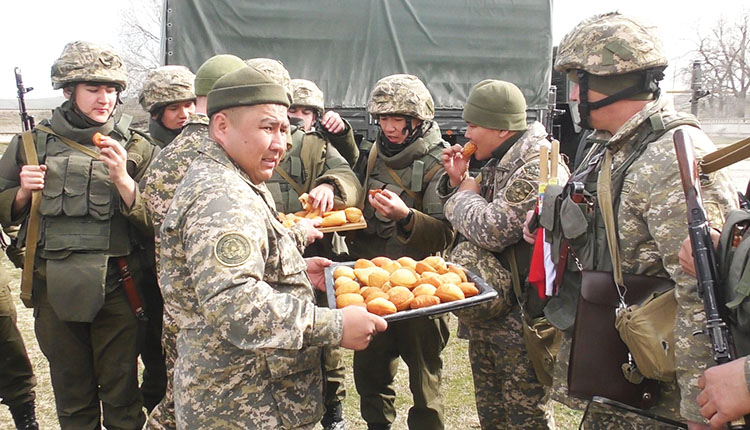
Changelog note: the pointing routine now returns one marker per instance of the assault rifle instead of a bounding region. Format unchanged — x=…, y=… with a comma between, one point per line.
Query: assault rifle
x=26, y=120
x=704, y=256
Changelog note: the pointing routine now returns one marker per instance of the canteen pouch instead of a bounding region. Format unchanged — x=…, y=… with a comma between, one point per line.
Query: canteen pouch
x=542, y=341
x=648, y=331
x=76, y=291
x=597, y=351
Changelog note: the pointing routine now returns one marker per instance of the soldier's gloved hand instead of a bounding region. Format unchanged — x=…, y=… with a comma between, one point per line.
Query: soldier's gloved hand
x=529, y=236
x=312, y=233
x=321, y=197
x=359, y=327
x=389, y=204
x=455, y=165
x=316, y=271
x=725, y=396
x=332, y=122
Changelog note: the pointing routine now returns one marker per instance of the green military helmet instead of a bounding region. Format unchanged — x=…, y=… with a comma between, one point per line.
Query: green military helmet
x=88, y=62
x=276, y=70
x=497, y=105
x=214, y=68
x=166, y=85
x=306, y=93
x=245, y=87
x=401, y=95
x=610, y=44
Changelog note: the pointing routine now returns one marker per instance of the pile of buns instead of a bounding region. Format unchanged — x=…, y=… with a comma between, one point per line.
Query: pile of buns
x=328, y=219
x=385, y=286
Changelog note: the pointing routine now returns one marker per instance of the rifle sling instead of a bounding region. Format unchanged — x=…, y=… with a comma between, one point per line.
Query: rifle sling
x=32, y=229
x=726, y=156
x=71, y=143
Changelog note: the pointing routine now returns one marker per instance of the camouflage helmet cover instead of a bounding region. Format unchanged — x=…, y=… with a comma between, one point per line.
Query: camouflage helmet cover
x=276, y=70
x=88, y=62
x=401, y=95
x=166, y=85
x=306, y=93
x=610, y=44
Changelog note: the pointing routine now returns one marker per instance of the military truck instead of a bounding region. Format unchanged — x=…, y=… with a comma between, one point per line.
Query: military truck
x=345, y=46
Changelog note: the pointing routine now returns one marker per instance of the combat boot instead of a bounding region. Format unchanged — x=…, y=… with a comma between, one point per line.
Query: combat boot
x=24, y=416
x=333, y=419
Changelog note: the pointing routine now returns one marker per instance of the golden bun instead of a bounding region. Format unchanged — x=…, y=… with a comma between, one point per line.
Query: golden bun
x=424, y=290
x=450, y=278
x=403, y=277
x=349, y=299
x=335, y=219
x=469, y=289
x=430, y=278
x=424, y=301
x=381, y=306
x=407, y=262
x=375, y=295
x=345, y=285
x=363, y=263
x=449, y=293
x=344, y=271
x=353, y=214
x=401, y=297
x=380, y=261
x=459, y=271
x=377, y=278
x=422, y=267
x=391, y=266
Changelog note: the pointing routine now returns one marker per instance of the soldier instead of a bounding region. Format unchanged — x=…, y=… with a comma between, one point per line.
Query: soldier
x=17, y=380
x=85, y=323
x=168, y=96
x=309, y=107
x=250, y=334
x=159, y=183
x=490, y=217
x=615, y=64
x=405, y=219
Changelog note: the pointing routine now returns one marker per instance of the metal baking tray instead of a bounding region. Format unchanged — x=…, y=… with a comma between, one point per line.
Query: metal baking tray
x=485, y=293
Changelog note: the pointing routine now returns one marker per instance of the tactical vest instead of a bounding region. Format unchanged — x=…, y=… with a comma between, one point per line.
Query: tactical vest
x=577, y=229
x=80, y=204
x=288, y=181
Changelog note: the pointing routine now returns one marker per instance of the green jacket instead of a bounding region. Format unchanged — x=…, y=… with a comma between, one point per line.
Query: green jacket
x=310, y=161
x=418, y=168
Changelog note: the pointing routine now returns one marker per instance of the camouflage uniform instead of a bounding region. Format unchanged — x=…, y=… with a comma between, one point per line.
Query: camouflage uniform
x=651, y=215
x=507, y=392
x=17, y=380
x=417, y=341
x=159, y=184
x=164, y=86
x=82, y=316
x=244, y=305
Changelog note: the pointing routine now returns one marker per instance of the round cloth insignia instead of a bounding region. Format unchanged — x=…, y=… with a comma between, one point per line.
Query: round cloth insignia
x=232, y=249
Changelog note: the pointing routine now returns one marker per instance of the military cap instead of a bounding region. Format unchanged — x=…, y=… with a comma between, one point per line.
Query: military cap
x=610, y=44
x=245, y=87
x=496, y=104
x=166, y=85
x=306, y=93
x=214, y=68
x=88, y=62
x=401, y=95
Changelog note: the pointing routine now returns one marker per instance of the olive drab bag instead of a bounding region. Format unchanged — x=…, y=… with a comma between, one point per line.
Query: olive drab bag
x=734, y=290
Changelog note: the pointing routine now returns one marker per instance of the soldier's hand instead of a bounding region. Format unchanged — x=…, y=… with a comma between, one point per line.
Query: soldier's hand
x=389, y=204
x=311, y=232
x=321, y=197
x=685, y=255
x=724, y=396
x=316, y=271
x=529, y=236
x=360, y=327
x=455, y=165
x=332, y=122
x=32, y=178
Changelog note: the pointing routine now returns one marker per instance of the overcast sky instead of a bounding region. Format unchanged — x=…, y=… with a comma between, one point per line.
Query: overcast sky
x=34, y=32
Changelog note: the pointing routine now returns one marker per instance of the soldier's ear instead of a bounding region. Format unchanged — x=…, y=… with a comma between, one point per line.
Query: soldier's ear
x=219, y=126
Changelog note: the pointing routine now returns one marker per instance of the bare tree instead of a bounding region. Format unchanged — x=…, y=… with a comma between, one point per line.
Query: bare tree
x=140, y=40
x=724, y=51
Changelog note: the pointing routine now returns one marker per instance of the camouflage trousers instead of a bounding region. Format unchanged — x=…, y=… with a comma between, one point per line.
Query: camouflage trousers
x=600, y=417
x=162, y=417
x=334, y=372
x=507, y=392
x=17, y=379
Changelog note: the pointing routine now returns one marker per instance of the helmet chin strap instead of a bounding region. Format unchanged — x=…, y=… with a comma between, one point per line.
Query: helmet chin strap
x=649, y=83
x=408, y=129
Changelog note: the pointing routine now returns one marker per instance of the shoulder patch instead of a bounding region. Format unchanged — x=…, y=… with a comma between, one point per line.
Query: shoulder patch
x=232, y=249
x=519, y=191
